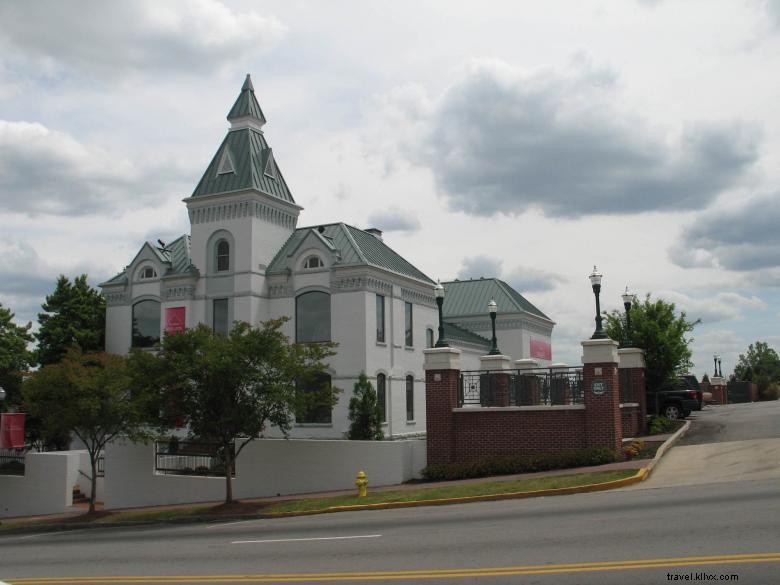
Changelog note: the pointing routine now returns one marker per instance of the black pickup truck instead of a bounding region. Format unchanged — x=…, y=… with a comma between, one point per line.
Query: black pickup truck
x=676, y=400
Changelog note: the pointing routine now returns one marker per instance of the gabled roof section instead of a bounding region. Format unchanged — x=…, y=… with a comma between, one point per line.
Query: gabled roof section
x=355, y=248
x=454, y=333
x=174, y=256
x=470, y=297
x=249, y=154
x=246, y=104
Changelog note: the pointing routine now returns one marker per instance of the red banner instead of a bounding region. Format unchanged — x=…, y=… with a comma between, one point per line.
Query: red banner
x=175, y=319
x=12, y=430
x=541, y=349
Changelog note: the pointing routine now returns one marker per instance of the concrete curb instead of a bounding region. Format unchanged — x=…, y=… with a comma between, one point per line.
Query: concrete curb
x=668, y=444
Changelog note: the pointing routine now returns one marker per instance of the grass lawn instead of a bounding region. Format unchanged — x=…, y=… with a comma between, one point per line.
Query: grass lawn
x=454, y=491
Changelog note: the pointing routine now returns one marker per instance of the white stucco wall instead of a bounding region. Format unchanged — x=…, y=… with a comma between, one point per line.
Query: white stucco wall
x=45, y=488
x=265, y=467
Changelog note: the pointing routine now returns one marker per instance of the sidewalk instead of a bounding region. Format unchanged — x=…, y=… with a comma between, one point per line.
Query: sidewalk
x=58, y=520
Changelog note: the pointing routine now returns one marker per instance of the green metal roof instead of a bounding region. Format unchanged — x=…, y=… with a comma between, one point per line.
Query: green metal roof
x=246, y=104
x=250, y=154
x=454, y=333
x=354, y=247
x=175, y=255
x=470, y=297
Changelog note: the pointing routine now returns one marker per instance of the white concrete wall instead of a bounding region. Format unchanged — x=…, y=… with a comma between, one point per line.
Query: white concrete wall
x=45, y=488
x=265, y=467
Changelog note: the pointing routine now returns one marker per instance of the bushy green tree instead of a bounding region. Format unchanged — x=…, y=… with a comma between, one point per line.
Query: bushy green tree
x=15, y=358
x=661, y=332
x=364, y=413
x=74, y=314
x=89, y=395
x=228, y=389
x=760, y=365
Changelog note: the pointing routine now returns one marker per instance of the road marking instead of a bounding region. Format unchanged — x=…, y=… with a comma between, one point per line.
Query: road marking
x=659, y=563
x=232, y=523
x=46, y=534
x=306, y=539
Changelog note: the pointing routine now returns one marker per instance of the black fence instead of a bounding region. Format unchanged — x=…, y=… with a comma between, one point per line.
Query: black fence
x=627, y=387
x=192, y=458
x=548, y=387
x=12, y=461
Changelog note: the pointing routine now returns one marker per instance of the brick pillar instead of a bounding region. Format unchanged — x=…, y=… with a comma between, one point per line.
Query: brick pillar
x=499, y=381
x=442, y=377
x=633, y=359
x=528, y=383
x=601, y=394
x=718, y=389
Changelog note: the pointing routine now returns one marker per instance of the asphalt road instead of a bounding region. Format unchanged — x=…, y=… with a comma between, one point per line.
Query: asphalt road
x=641, y=536
x=734, y=422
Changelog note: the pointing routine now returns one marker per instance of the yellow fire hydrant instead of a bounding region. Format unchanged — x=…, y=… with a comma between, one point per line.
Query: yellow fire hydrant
x=362, y=484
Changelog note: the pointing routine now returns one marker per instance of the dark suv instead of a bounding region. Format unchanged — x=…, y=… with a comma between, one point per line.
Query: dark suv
x=676, y=400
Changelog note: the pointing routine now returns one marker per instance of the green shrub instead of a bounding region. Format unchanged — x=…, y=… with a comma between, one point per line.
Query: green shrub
x=511, y=464
x=660, y=425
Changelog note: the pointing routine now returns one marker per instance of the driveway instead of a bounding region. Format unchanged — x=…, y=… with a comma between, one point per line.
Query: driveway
x=737, y=442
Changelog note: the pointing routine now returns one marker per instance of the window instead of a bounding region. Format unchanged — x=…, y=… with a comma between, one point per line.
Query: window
x=429, y=337
x=381, y=396
x=409, y=398
x=146, y=323
x=315, y=401
x=313, y=262
x=223, y=256
x=220, y=317
x=408, y=324
x=148, y=272
x=380, y=318
x=312, y=317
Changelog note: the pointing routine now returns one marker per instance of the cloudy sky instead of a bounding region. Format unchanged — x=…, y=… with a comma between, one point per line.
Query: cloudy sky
x=525, y=140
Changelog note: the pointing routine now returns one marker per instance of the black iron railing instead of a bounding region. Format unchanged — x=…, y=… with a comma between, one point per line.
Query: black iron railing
x=12, y=461
x=538, y=387
x=192, y=458
x=627, y=390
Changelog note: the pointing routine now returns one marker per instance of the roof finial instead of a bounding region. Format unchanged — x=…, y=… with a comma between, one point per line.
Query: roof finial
x=248, y=84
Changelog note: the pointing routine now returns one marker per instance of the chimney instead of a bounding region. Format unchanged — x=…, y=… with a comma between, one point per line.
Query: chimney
x=376, y=232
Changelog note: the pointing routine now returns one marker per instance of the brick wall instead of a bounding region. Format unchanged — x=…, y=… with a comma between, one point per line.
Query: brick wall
x=482, y=432
x=441, y=396
x=631, y=423
x=603, y=424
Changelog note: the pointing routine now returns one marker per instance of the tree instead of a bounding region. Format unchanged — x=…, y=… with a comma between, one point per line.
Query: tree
x=364, y=413
x=74, y=314
x=89, y=395
x=661, y=333
x=15, y=358
x=227, y=389
x=760, y=365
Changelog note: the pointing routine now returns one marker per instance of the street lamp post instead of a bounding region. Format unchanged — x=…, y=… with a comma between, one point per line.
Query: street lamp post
x=627, y=298
x=438, y=290
x=715, y=359
x=595, y=282
x=492, y=308
x=720, y=368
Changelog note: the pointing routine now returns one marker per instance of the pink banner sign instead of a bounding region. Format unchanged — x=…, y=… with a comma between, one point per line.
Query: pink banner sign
x=541, y=349
x=12, y=430
x=175, y=319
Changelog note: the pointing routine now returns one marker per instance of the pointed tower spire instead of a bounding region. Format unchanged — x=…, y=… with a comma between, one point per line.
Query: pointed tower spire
x=246, y=110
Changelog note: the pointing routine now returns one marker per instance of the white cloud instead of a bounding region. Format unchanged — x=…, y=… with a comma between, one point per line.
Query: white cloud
x=43, y=171
x=724, y=306
x=111, y=39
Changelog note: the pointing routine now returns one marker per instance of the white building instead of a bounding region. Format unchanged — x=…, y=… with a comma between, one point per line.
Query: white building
x=246, y=260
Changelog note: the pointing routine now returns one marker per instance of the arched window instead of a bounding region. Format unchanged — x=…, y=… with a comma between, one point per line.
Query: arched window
x=429, y=337
x=312, y=317
x=146, y=323
x=313, y=262
x=315, y=401
x=223, y=256
x=409, y=398
x=381, y=396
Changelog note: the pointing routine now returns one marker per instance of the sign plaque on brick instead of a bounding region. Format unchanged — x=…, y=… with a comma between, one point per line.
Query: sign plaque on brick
x=599, y=386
